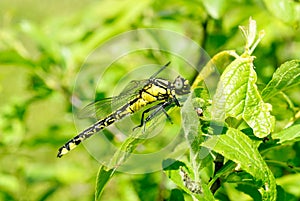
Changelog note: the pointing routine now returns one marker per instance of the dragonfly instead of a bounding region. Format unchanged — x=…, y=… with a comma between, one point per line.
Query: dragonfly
x=158, y=92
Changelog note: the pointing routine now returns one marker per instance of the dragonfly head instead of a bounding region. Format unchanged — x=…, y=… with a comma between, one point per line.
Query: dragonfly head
x=181, y=86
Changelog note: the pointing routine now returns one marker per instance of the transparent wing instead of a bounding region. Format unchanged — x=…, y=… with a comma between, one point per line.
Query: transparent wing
x=100, y=109
x=133, y=87
x=136, y=85
x=97, y=109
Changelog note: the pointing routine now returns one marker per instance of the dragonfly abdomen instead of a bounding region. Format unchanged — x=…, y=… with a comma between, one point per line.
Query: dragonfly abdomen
x=129, y=108
x=99, y=125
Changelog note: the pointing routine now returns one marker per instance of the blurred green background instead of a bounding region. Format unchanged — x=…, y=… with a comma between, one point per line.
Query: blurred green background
x=42, y=47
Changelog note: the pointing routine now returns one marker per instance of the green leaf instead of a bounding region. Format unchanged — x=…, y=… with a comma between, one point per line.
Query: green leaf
x=103, y=176
x=175, y=171
x=289, y=134
x=285, y=196
x=285, y=10
x=285, y=77
x=207, y=194
x=227, y=167
x=176, y=195
x=127, y=147
x=217, y=63
x=290, y=183
x=250, y=190
x=50, y=49
x=200, y=157
x=122, y=22
x=46, y=195
x=238, y=147
x=215, y=8
x=249, y=33
x=190, y=126
x=237, y=96
x=12, y=57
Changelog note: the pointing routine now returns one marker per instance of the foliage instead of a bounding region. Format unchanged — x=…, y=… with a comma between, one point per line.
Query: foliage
x=244, y=144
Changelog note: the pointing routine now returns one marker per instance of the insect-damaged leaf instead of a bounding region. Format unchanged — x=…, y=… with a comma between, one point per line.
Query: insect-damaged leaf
x=237, y=96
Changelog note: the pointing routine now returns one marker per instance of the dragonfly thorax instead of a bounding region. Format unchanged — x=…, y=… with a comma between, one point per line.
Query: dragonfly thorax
x=159, y=89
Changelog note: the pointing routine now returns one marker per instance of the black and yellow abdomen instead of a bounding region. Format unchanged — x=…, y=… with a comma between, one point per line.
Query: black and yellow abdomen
x=96, y=127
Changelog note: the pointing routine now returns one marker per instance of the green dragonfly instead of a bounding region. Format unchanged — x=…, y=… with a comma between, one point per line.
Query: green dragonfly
x=138, y=94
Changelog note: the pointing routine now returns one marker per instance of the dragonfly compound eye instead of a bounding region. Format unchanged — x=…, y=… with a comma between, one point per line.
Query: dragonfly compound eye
x=181, y=86
x=178, y=83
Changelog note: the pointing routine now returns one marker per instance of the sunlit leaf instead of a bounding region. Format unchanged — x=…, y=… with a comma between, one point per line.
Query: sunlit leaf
x=104, y=175
x=288, y=135
x=249, y=32
x=285, y=10
x=217, y=63
x=290, y=183
x=237, y=96
x=285, y=77
x=236, y=146
x=215, y=8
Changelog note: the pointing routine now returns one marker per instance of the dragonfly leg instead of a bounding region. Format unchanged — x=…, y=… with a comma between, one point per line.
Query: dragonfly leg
x=158, y=108
x=165, y=112
x=176, y=101
x=145, y=112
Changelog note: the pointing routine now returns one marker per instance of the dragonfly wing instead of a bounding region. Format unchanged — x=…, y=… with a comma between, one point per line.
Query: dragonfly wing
x=101, y=108
x=96, y=109
x=133, y=87
x=136, y=85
